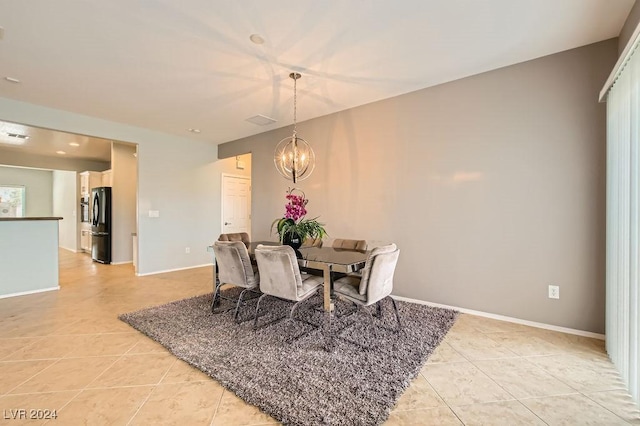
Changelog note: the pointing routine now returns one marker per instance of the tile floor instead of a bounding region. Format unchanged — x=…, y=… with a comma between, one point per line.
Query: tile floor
x=67, y=351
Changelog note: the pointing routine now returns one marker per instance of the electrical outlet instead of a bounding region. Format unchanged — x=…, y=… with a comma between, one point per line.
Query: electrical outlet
x=154, y=213
x=554, y=292
x=187, y=250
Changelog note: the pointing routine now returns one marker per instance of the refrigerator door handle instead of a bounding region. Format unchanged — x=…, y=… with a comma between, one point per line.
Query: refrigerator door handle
x=96, y=209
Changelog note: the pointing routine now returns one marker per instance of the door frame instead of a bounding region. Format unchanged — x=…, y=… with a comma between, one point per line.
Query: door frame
x=222, y=176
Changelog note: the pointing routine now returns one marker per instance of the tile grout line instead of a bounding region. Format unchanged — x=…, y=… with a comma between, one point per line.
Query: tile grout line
x=152, y=390
x=215, y=412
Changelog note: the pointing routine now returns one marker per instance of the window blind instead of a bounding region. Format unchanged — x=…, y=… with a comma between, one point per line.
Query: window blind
x=623, y=230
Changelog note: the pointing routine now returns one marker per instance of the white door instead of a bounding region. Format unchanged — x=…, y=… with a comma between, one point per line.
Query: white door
x=236, y=204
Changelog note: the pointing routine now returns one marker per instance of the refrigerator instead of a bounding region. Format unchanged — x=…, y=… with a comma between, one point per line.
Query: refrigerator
x=101, y=225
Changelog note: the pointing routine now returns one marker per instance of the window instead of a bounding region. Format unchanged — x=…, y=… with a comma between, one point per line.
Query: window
x=12, y=201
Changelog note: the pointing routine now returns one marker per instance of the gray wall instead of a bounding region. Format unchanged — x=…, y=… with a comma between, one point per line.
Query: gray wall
x=38, y=187
x=629, y=27
x=493, y=186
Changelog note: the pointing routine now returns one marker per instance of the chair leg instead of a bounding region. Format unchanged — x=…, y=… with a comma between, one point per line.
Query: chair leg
x=378, y=309
x=216, y=297
x=395, y=308
x=255, y=321
x=242, y=301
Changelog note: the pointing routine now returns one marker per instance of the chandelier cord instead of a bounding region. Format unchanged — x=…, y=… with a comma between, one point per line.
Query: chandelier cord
x=295, y=101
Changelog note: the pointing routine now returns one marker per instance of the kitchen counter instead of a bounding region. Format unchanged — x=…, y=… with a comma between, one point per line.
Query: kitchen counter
x=11, y=219
x=28, y=255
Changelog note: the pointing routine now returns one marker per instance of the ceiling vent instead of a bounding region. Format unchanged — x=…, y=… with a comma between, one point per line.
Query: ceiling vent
x=17, y=135
x=261, y=120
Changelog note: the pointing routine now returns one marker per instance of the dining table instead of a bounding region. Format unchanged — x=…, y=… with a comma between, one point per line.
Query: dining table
x=327, y=260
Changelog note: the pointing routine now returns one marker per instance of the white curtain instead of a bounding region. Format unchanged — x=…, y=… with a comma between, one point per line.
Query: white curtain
x=623, y=296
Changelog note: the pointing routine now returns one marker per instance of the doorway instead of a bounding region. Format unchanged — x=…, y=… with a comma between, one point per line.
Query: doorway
x=236, y=204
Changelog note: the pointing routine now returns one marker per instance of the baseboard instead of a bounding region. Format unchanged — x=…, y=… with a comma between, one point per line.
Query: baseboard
x=173, y=270
x=122, y=263
x=507, y=319
x=68, y=249
x=24, y=293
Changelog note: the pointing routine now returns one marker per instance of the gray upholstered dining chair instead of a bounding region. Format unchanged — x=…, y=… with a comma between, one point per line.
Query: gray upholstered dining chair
x=312, y=242
x=234, y=267
x=376, y=282
x=280, y=277
x=342, y=243
x=237, y=236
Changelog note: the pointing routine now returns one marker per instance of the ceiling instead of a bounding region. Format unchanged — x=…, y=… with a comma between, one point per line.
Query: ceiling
x=51, y=143
x=171, y=66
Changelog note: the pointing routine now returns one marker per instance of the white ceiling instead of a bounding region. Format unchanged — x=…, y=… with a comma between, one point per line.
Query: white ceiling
x=170, y=66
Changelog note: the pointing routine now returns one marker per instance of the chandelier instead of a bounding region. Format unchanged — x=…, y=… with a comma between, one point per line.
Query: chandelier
x=293, y=156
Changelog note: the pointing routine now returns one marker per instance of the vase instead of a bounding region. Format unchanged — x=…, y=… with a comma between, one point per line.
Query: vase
x=292, y=240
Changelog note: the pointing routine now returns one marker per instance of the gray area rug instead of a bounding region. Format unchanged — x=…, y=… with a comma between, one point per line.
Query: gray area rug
x=354, y=379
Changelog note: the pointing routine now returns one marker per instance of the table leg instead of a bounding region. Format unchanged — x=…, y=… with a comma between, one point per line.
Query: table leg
x=328, y=306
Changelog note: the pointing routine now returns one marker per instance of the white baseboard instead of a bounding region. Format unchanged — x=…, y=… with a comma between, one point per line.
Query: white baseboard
x=173, y=270
x=69, y=249
x=24, y=293
x=507, y=319
x=122, y=263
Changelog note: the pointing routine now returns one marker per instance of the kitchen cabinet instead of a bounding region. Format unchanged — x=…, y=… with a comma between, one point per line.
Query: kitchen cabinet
x=85, y=240
x=88, y=181
x=84, y=183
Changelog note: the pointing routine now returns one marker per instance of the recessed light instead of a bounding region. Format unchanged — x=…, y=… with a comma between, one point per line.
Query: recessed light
x=194, y=130
x=74, y=144
x=256, y=38
x=60, y=152
x=12, y=80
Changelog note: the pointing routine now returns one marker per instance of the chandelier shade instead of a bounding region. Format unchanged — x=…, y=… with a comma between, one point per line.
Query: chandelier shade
x=293, y=157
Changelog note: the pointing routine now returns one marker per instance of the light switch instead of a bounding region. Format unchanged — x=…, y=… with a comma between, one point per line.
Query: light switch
x=154, y=213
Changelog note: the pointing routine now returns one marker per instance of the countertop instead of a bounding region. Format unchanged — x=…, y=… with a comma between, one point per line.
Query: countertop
x=8, y=219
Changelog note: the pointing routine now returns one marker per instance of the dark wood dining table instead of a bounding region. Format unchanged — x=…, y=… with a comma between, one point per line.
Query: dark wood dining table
x=325, y=259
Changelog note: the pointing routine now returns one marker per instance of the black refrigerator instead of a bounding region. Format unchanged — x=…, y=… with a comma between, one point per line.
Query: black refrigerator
x=101, y=224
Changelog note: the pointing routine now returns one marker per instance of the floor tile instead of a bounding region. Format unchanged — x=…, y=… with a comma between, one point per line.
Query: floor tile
x=419, y=395
x=135, y=370
x=67, y=374
x=44, y=405
x=13, y=373
x=50, y=347
x=580, y=374
x=145, y=346
x=523, y=379
x=445, y=353
x=503, y=413
x=572, y=410
x=105, y=344
x=618, y=402
x=181, y=371
x=114, y=406
x=9, y=346
x=441, y=416
x=462, y=383
x=234, y=411
x=480, y=346
x=189, y=403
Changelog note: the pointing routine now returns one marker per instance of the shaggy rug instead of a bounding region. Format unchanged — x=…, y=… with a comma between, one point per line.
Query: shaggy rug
x=297, y=373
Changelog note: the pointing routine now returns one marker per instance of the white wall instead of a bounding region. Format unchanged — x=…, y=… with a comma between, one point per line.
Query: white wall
x=38, y=188
x=65, y=205
x=178, y=176
x=124, y=185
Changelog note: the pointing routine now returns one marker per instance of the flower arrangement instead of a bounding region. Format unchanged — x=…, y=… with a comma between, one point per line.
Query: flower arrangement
x=293, y=228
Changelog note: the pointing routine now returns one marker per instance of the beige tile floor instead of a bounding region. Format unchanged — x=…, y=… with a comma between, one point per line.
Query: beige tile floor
x=67, y=351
